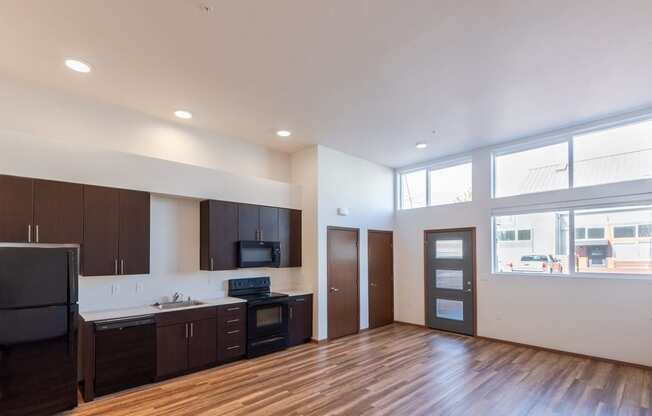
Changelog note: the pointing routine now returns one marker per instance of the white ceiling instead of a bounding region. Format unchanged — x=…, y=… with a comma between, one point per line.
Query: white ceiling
x=368, y=77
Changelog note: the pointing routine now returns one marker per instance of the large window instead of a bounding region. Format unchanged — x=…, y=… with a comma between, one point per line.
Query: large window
x=451, y=184
x=533, y=170
x=437, y=185
x=611, y=240
x=620, y=247
x=541, y=247
x=613, y=155
x=599, y=157
x=413, y=189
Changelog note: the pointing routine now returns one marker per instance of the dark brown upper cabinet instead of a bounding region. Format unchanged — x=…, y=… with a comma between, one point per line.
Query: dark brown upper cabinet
x=248, y=222
x=133, y=243
x=58, y=212
x=16, y=209
x=40, y=211
x=289, y=226
x=258, y=223
x=223, y=224
x=218, y=235
x=116, y=232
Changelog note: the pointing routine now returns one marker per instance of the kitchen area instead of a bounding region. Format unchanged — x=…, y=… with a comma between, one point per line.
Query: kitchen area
x=105, y=289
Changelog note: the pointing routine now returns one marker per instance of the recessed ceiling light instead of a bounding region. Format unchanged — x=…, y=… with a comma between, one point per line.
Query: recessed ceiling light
x=422, y=145
x=283, y=133
x=77, y=65
x=183, y=114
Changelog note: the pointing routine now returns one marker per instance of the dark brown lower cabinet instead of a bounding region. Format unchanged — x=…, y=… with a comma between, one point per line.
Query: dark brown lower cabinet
x=231, y=332
x=185, y=340
x=202, y=343
x=300, y=325
x=172, y=350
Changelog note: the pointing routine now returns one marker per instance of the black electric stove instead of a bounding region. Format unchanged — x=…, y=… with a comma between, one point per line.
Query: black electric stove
x=267, y=315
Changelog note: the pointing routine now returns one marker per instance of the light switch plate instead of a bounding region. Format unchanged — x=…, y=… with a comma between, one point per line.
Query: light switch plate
x=139, y=288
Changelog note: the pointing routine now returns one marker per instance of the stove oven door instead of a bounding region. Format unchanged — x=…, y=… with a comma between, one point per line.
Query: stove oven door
x=267, y=319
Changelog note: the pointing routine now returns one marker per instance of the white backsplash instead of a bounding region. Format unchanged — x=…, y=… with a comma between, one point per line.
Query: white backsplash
x=174, y=265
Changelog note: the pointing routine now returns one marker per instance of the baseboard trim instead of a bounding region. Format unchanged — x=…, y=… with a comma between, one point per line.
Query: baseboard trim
x=572, y=354
x=409, y=324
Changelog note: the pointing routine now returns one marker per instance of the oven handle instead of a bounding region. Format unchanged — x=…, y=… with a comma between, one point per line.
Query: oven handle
x=268, y=302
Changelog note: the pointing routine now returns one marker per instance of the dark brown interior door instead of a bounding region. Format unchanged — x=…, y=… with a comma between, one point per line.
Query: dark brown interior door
x=202, y=347
x=248, y=222
x=58, y=212
x=268, y=224
x=99, y=253
x=172, y=349
x=16, y=209
x=381, y=278
x=134, y=232
x=223, y=235
x=343, y=296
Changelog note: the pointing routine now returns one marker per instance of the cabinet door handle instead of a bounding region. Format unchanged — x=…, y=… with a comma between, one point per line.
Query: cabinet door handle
x=232, y=321
x=291, y=312
x=233, y=309
x=186, y=331
x=261, y=234
x=300, y=300
x=29, y=233
x=235, y=331
x=192, y=329
x=122, y=266
x=235, y=347
x=212, y=264
x=115, y=266
x=37, y=234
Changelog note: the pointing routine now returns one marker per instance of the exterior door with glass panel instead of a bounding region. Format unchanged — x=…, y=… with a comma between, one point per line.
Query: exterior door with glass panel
x=450, y=280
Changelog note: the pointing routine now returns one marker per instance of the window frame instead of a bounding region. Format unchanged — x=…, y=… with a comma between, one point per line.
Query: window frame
x=571, y=209
x=428, y=167
x=400, y=186
x=568, y=136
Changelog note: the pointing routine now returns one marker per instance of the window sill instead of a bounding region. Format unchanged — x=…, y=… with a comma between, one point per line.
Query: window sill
x=592, y=276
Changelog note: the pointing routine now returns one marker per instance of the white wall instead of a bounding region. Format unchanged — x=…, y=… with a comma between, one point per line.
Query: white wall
x=304, y=175
x=367, y=190
x=605, y=317
x=51, y=115
x=52, y=136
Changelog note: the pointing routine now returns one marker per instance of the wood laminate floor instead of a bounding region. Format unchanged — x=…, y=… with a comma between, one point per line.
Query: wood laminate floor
x=396, y=370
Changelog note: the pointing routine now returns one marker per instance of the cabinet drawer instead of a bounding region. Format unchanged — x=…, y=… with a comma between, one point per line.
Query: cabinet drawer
x=232, y=315
x=181, y=317
x=231, y=350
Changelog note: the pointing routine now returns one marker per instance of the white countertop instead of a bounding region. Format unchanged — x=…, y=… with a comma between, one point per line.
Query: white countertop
x=296, y=292
x=90, y=316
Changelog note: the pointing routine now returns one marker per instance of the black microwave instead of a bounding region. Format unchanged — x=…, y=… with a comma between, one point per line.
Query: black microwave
x=259, y=254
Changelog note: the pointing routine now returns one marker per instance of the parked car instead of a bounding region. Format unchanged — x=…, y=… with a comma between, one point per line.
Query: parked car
x=537, y=263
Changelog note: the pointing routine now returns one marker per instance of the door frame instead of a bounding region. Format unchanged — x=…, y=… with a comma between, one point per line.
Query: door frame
x=391, y=233
x=474, y=274
x=357, y=274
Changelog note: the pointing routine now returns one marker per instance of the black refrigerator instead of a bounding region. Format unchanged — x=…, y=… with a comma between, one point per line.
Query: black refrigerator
x=38, y=330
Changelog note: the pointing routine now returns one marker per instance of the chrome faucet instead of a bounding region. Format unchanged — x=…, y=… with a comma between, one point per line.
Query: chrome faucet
x=176, y=297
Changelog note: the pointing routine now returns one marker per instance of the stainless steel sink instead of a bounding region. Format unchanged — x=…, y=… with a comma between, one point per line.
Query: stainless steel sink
x=175, y=305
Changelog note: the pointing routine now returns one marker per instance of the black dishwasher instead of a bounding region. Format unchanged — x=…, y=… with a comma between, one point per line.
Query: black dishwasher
x=125, y=353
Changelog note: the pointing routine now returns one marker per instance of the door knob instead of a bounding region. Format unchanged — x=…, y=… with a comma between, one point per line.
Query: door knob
x=334, y=289
x=372, y=284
